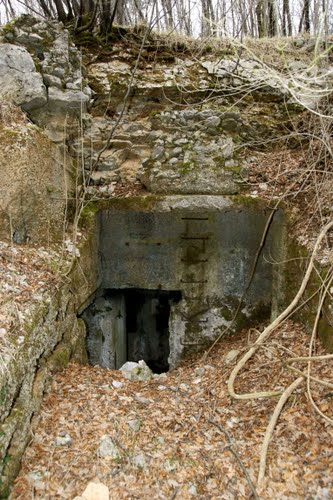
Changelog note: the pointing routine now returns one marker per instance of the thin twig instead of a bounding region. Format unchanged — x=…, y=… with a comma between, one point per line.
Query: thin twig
x=237, y=457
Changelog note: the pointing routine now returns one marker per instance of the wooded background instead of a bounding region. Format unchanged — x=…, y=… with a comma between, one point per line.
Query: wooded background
x=200, y=18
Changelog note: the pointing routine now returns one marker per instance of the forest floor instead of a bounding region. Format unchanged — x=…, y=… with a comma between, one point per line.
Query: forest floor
x=180, y=435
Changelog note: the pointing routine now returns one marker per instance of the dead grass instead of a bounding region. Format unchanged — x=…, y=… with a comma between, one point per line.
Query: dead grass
x=10, y=114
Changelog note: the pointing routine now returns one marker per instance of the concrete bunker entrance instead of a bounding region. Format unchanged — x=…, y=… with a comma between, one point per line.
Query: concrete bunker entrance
x=130, y=325
x=172, y=272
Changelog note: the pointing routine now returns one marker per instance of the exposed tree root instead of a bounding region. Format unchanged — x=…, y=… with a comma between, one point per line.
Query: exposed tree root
x=263, y=336
x=272, y=326
x=271, y=426
x=325, y=290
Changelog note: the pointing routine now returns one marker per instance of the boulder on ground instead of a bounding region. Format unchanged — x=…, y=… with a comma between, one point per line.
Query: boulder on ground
x=136, y=371
x=95, y=491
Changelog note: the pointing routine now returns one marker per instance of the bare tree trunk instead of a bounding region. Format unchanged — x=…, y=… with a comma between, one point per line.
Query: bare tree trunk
x=324, y=8
x=290, y=25
x=244, y=14
x=272, y=21
x=286, y=19
x=45, y=8
x=260, y=18
x=187, y=18
x=138, y=10
x=167, y=7
x=205, y=28
x=211, y=17
x=222, y=17
x=233, y=20
x=60, y=11
x=305, y=17
x=10, y=12
x=252, y=19
x=105, y=15
x=75, y=7
x=70, y=14
x=120, y=11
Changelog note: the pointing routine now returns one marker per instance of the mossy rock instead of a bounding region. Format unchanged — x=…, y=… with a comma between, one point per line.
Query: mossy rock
x=89, y=213
x=59, y=359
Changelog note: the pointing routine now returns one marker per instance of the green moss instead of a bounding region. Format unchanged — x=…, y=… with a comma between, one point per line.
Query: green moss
x=235, y=169
x=185, y=167
x=296, y=260
x=154, y=114
x=89, y=212
x=248, y=201
x=25, y=20
x=117, y=32
x=118, y=84
x=38, y=65
x=10, y=133
x=7, y=459
x=8, y=28
x=79, y=351
x=50, y=189
x=59, y=359
x=91, y=40
x=293, y=107
x=3, y=395
x=227, y=313
x=37, y=317
x=325, y=330
x=4, y=491
x=14, y=138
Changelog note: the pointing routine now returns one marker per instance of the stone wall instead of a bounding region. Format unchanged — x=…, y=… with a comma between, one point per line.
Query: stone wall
x=42, y=72
x=36, y=181
x=48, y=341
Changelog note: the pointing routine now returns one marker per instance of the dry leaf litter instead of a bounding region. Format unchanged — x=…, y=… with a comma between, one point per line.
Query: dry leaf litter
x=27, y=277
x=166, y=438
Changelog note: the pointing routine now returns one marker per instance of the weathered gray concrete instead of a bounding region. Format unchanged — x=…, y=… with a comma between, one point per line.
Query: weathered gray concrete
x=203, y=246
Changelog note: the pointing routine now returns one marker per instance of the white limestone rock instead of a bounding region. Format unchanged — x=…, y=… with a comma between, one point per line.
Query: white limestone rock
x=107, y=448
x=135, y=425
x=20, y=82
x=96, y=491
x=136, y=371
x=63, y=440
x=140, y=461
x=231, y=356
x=116, y=384
x=61, y=100
x=199, y=371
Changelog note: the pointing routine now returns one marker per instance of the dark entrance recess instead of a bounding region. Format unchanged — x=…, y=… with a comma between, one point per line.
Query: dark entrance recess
x=130, y=325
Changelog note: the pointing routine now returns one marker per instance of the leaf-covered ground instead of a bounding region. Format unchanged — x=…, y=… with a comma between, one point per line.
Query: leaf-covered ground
x=180, y=435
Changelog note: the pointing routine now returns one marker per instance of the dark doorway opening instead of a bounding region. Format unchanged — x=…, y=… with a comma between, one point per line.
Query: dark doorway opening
x=130, y=325
x=147, y=326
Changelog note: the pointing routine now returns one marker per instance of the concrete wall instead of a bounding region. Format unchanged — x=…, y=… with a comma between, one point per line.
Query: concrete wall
x=203, y=246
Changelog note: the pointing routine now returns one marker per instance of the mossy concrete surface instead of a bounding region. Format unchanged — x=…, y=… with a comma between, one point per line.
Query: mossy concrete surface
x=203, y=246
x=289, y=272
